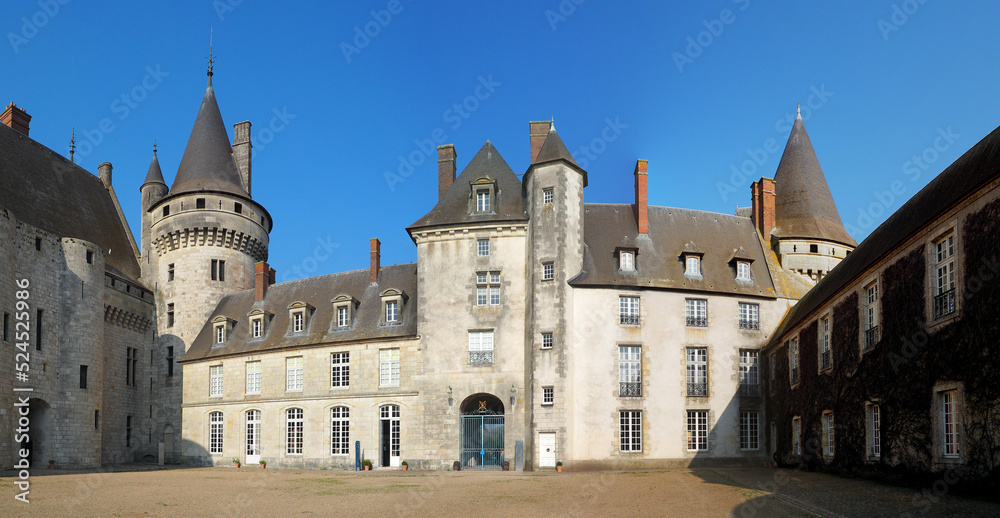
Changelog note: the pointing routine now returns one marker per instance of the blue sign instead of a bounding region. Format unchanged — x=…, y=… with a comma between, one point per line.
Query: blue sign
x=357, y=455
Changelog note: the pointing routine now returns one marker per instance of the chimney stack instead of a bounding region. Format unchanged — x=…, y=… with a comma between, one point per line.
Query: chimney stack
x=104, y=173
x=538, y=131
x=376, y=257
x=242, y=151
x=263, y=279
x=641, y=207
x=762, y=208
x=16, y=118
x=446, y=168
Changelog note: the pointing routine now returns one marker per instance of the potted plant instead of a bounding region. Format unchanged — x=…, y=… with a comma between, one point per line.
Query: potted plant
x=559, y=466
x=52, y=464
x=236, y=462
x=263, y=463
x=367, y=464
x=404, y=465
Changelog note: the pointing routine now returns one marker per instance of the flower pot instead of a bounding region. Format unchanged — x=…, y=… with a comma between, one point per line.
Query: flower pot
x=404, y=466
x=262, y=466
x=52, y=466
x=368, y=468
x=237, y=464
x=559, y=469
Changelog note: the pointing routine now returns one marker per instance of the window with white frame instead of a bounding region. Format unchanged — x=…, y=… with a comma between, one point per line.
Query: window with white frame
x=874, y=431
x=749, y=373
x=548, y=395
x=343, y=306
x=944, y=276
x=343, y=319
x=948, y=401
x=257, y=327
x=293, y=431
x=626, y=261
x=340, y=425
x=871, y=315
x=488, y=288
x=796, y=436
x=482, y=247
x=548, y=195
x=697, y=430
x=749, y=315
x=829, y=440
x=388, y=367
x=548, y=271
x=298, y=321
x=253, y=377
x=215, y=381
x=215, y=432
x=793, y=360
x=825, y=354
x=628, y=310
x=697, y=371
x=629, y=370
x=749, y=431
x=391, y=311
x=340, y=369
x=481, y=347
x=293, y=373
x=483, y=200
x=220, y=333
x=630, y=428
x=547, y=340
x=696, y=312
x=742, y=271
x=692, y=265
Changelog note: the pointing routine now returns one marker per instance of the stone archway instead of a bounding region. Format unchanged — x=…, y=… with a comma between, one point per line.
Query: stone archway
x=482, y=432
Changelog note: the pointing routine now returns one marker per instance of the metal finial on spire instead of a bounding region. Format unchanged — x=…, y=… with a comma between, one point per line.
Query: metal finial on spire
x=798, y=112
x=154, y=147
x=72, y=146
x=552, y=124
x=211, y=60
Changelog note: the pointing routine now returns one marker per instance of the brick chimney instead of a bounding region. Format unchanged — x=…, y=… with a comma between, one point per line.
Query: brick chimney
x=376, y=257
x=762, y=208
x=242, y=151
x=538, y=131
x=16, y=118
x=446, y=168
x=104, y=173
x=641, y=207
x=263, y=279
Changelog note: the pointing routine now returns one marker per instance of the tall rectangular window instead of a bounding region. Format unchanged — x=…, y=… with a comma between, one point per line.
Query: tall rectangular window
x=695, y=312
x=829, y=441
x=388, y=367
x=697, y=371
x=825, y=355
x=215, y=433
x=220, y=333
x=749, y=431
x=6, y=326
x=628, y=310
x=487, y=288
x=293, y=431
x=481, y=347
x=38, y=329
x=253, y=377
x=257, y=327
x=742, y=271
x=482, y=247
x=128, y=431
x=944, y=276
x=131, y=365
x=749, y=373
x=697, y=430
x=218, y=270
x=871, y=315
x=548, y=395
x=38, y=244
x=629, y=370
x=340, y=425
x=298, y=321
x=343, y=316
x=630, y=427
x=340, y=369
x=874, y=431
x=626, y=261
x=166, y=210
x=692, y=265
x=796, y=436
x=83, y=376
x=392, y=311
x=170, y=272
x=215, y=381
x=793, y=360
x=293, y=373
x=170, y=361
x=749, y=316
x=548, y=271
x=170, y=314
x=949, y=423
x=483, y=200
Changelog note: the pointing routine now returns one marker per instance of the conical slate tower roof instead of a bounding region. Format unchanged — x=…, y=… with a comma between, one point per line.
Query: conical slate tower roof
x=553, y=149
x=803, y=205
x=208, y=163
x=154, y=175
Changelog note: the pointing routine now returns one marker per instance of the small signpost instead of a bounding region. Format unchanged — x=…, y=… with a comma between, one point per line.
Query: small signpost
x=357, y=455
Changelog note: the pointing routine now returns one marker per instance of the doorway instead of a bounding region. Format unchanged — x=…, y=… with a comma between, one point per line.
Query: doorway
x=253, y=437
x=482, y=432
x=389, y=436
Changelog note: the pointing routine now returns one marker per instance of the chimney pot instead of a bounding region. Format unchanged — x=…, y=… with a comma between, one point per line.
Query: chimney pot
x=242, y=151
x=538, y=131
x=104, y=173
x=446, y=168
x=376, y=258
x=641, y=207
x=16, y=118
x=263, y=279
x=762, y=194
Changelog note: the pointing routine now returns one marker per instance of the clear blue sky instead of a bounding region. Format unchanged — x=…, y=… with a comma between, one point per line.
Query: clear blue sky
x=888, y=83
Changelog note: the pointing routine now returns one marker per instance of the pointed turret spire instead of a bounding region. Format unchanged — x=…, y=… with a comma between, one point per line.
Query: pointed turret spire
x=154, y=175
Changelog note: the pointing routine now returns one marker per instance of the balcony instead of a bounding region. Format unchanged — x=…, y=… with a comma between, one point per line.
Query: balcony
x=699, y=389
x=871, y=337
x=944, y=304
x=696, y=321
x=749, y=324
x=628, y=320
x=749, y=390
x=630, y=389
x=480, y=357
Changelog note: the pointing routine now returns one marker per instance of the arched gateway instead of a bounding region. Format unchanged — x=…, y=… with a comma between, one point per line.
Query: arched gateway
x=482, y=432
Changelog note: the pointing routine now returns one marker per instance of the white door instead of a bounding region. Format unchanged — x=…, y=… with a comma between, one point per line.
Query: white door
x=546, y=450
x=253, y=437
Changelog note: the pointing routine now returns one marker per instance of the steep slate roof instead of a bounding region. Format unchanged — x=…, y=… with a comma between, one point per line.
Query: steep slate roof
x=658, y=262
x=454, y=206
x=208, y=163
x=803, y=205
x=977, y=167
x=47, y=191
x=154, y=175
x=317, y=292
x=554, y=150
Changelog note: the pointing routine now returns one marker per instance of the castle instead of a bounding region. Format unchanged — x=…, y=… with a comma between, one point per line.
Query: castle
x=533, y=328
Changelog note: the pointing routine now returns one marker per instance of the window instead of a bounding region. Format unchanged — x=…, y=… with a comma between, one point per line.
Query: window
x=482, y=247
x=220, y=333
x=170, y=272
x=389, y=415
x=871, y=315
x=131, y=365
x=293, y=431
x=944, y=276
x=293, y=373
x=793, y=360
x=692, y=265
x=548, y=195
x=97, y=419
x=749, y=316
x=749, y=373
x=215, y=381
x=170, y=314
x=388, y=368
x=547, y=340
x=166, y=210
x=628, y=310
x=253, y=377
x=340, y=370
x=298, y=321
x=626, y=261
x=749, y=431
x=697, y=430
x=548, y=271
x=828, y=435
x=392, y=311
x=38, y=329
x=483, y=200
x=257, y=327
x=949, y=424
x=825, y=355
x=796, y=436
x=215, y=433
x=6, y=326
x=340, y=425
x=90, y=257
x=697, y=371
x=481, y=347
x=38, y=244
x=199, y=203
x=772, y=372
x=343, y=316
x=696, y=312
x=488, y=288
x=813, y=249
x=83, y=376
x=170, y=361
x=548, y=395
x=874, y=431
x=742, y=271
x=218, y=270
x=630, y=426
x=128, y=431
x=629, y=370
x=238, y=208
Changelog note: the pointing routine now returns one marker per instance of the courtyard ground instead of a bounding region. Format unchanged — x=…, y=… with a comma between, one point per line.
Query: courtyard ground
x=249, y=491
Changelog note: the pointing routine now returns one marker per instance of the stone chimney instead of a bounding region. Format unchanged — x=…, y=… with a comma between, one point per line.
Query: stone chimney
x=376, y=258
x=446, y=168
x=16, y=118
x=104, y=173
x=538, y=131
x=263, y=279
x=762, y=208
x=242, y=151
x=641, y=207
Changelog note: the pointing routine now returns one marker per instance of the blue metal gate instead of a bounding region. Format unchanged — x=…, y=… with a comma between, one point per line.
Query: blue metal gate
x=482, y=441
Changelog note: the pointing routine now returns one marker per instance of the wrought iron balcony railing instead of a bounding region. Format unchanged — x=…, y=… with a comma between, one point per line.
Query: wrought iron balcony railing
x=750, y=390
x=630, y=389
x=871, y=337
x=944, y=304
x=630, y=320
x=749, y=324
x=480, y=357
x=699, y=389
x=696, y=322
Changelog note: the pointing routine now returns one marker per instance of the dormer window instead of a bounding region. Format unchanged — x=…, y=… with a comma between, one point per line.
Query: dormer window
x=626, y=260
x=298, y=316
x=343, y=310
x=258, y=323
x=742, y=271
x=484, y=192
x=221, y=328
x=482, y=200
x=298, y=322
x=258, y=327
x=392, y=311
x=220, y=333
x=392, y=304
x=692, y=265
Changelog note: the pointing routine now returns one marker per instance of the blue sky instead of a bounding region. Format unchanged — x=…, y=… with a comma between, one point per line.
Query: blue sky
x=698, y=89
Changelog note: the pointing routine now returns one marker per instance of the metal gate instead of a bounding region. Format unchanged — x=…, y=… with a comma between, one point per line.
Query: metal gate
x=482, y=441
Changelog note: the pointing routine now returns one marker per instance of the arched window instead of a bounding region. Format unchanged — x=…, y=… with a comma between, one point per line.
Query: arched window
x=215, y=433
x=340, y=442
